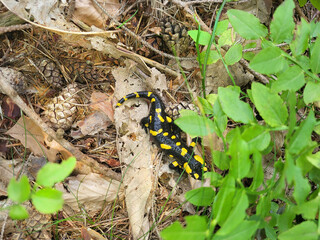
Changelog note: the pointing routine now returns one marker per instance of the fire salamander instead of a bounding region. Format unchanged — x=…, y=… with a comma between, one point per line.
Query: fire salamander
x=161, y=127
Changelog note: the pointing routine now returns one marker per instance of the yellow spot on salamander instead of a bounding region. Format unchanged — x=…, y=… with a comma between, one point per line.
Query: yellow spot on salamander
x=149, y=94
x=173, y=137
x=183, y=151
x=119, y=104
x=175, y=163
x=124, y=98
x=199, y=159
x=178, y=143
x=192, y=144
x=153, y=100
x=137, y=95
x=205, y=169
x=196, y=176
x=187, y=168
x=165, y=134
x=160, y=118
x=172, y=157
x=158, y=110
x=147, y=124
x=169, y=120
x=155, y=133
x=165, y=146
x=150, y=117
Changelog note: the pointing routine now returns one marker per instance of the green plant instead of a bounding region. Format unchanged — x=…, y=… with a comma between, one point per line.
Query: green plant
x=286, y=205
x=44, y=197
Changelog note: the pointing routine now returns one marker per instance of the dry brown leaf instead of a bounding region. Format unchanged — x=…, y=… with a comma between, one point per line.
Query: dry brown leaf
x=102, y=102
x=32, y=137
x=86, y=11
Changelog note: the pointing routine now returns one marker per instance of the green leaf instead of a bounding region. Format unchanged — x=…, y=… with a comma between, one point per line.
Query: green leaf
x=196, y=229
x=258, y=171
x=243, y=231
x=221, y=160
x=47, y=200
x=300, y=44
x=302, y=135
x=213, y=57
x=226, y=38
x=223, y=200
x=316, y=4
x=222, y=26
x=220, y=124
x=311, y=92
x=282, y=25
x=206, y=105
x=234, y=54
x=204, y=37
x=269, y=105
x=201, y=197
x=236, y=215
x=195, y=125
x=247, y=25
x=301, y=187
x=52, y=173
x=19, y=191
x=215, y=178
x=302, y=2
x=291, y=79
x=315, y=29
x=257, y=137
x=315, y=57
x=240, y=163
x=268, y=61
x=306, y=230
x=309, y=209
x=314, y=159
x=234, y=108
x=18, y=212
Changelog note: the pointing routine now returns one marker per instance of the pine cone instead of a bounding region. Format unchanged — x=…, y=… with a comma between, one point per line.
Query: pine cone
x=82, y=71
x=16, y=79
x=62, y=110
x=51, y=73
x=174, y=34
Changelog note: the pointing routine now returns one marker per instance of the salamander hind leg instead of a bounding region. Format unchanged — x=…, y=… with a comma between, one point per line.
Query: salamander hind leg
x=145, y=123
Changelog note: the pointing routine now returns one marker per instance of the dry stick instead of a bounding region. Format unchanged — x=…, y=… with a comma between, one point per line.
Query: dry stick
x=15, y=28
x=243, y=62
x=87, y=163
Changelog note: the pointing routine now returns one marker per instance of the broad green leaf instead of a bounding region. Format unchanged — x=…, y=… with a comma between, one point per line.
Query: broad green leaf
x=222, y=26
x=247, y=25
x=300, y=44
x=314, y=175
x=204, y=37
x=314, y=159
x=243, y=231
x=301, y=187
x=269, y=105
x=311, y=92
x=306, y=230
x=215, y=178
x=213, y=57
x=237, y=214
x=308, y=209
x=212, y=98
x=315, y=29
x=221, y=160
x=220, y=124
x=285, y=219
x=268, y=61
x=18, y=212
x=234, y=54
x=302, y=136
x=258, y=171
x=240, y=163
x=282, y=25
x=196, y=228
x=201, y=197
x=223, y=200
x=19, y=191
x=315, y=57
x=248, y=56
x=206, y=106
x=292, y=102
x=237, y=110
x=226, y=38
x=264, y=206
x=316, y=4
x=52, y=173
x=195, y=125
x=47, y=200
x=302, y=2
x=291, y=79
x=257, y=137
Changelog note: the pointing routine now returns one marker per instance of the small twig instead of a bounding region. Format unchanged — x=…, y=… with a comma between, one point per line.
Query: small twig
x=138, y=37
x=90, y=163
x=15, y=28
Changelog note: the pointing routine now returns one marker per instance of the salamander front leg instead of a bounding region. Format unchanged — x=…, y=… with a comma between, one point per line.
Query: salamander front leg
x=145, y=123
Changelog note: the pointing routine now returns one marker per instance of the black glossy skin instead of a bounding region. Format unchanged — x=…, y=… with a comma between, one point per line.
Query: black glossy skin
x=161, y=128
